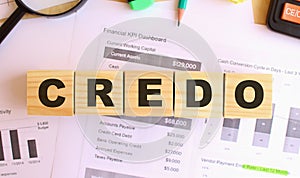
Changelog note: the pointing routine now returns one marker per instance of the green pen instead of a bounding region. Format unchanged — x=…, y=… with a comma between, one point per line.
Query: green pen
x=140, y=4
x=181, y=9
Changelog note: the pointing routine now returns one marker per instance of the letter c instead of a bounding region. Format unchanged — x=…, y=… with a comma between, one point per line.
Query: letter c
x=43, y=93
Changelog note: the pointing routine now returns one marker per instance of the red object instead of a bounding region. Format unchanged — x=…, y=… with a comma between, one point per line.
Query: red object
x=291, y=13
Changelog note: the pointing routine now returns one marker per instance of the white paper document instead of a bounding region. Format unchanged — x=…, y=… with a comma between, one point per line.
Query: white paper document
x=27, y=147
x=89, y=146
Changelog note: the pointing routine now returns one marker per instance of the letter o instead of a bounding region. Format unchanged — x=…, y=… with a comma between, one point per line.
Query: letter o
x=239, y=94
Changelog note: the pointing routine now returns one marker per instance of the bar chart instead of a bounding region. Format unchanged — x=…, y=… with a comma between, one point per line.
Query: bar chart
x=255, y=146
x=292, y=139
x=260, y=130
x=16, y=147
x=26, y=146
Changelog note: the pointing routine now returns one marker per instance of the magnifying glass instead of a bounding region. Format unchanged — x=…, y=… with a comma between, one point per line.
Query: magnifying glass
x=39, y=7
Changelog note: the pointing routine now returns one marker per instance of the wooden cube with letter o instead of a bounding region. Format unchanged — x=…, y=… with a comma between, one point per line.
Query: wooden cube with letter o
x=248, y=96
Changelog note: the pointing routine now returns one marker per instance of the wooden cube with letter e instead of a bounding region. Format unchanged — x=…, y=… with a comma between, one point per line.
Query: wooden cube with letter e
x=49, y=95
x=149, y=93
x=248, y=96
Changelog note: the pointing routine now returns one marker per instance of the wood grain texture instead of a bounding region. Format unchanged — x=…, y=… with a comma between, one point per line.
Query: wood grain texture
x=81, y=93
x=213, y=110
x=60, y=8
x=260, y=11
x=34, y=105
x=51, y=10
x=166, y=93
x=233, y=110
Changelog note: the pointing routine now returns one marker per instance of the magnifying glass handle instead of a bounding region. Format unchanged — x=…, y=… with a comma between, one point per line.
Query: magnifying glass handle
x=10, y=23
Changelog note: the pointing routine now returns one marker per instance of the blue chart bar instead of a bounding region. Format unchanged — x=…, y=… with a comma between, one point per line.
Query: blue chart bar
x=1, y=149
x=292, y=139
x=262, y=132
x=32, y=149
x=15, y=146
x=230, y=129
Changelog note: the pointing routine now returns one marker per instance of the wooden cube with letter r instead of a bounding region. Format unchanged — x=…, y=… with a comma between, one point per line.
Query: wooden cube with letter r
x=50, y=93
x=99, y=92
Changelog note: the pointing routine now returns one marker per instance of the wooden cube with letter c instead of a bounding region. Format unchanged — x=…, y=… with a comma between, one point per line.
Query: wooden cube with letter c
x=50, y=93
x=248, y=96
x=149, y=93
x=99, y=92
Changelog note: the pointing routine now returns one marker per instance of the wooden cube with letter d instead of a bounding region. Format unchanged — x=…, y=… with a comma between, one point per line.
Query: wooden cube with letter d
x=198, y=94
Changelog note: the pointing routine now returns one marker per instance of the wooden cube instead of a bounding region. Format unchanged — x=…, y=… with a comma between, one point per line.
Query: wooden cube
x=148, y=93
x=89, y=86
x=50, y=93
x=198, y=95
x=248, y=96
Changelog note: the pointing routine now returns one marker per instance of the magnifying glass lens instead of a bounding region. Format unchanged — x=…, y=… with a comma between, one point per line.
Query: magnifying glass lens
x=51, y=7
x=39, y=7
